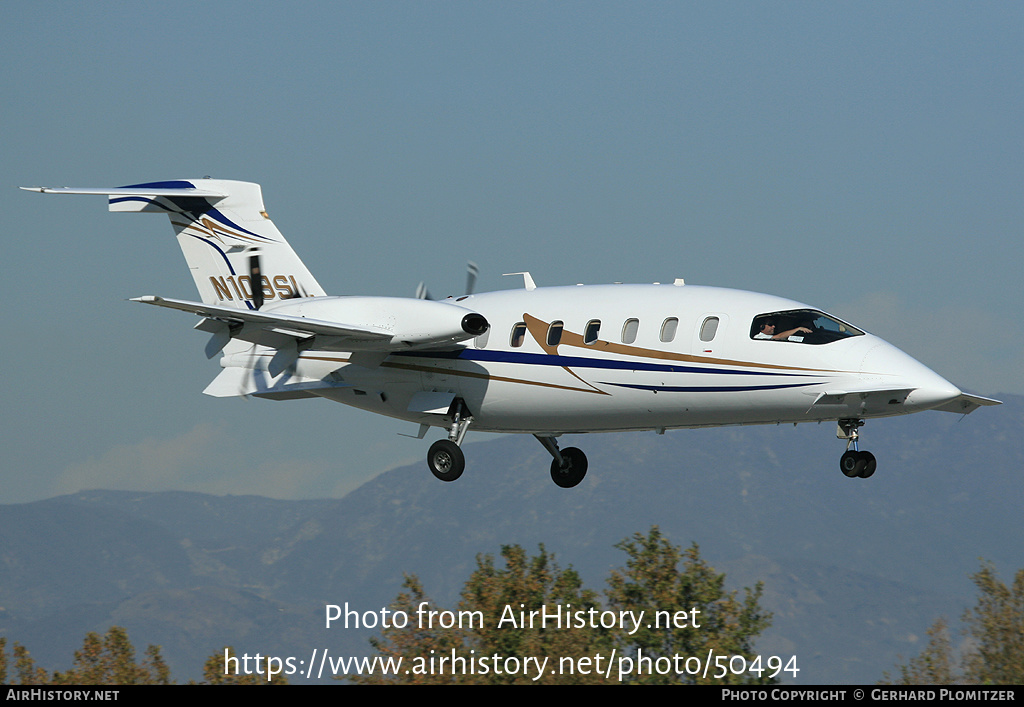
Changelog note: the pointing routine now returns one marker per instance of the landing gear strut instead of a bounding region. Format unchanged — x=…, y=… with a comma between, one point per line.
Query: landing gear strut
x=568, y=466
x=445, y=458
x=854, y=463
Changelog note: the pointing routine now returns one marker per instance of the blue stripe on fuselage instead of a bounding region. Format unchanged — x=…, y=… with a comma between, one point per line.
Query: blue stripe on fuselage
x=706, y=389
x=580, y=362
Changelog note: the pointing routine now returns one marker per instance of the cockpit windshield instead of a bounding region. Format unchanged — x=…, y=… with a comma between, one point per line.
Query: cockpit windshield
x=805, y=326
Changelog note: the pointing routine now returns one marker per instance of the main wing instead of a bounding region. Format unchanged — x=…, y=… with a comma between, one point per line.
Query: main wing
x=288, y=334
x=375, y=326
x=257, y=325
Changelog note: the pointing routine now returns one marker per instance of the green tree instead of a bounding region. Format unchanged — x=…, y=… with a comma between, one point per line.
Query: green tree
x=994, y=651
x=996, y=624
x=500, y=614
x=25, y=670
x=936, y=665
x=413, y=640
x=660, y=577
x=476, y=633
x=214, y=672
x=509, y=600
x=156, y=667
x=110, y=660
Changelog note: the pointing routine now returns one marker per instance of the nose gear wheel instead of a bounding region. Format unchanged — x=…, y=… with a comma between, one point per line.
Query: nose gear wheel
x=854, y=463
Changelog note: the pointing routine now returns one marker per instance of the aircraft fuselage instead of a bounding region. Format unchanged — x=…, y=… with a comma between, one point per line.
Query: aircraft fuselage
x=630, y=357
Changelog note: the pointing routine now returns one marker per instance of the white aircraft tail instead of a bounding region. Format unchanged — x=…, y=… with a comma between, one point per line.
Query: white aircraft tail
x=220, y=226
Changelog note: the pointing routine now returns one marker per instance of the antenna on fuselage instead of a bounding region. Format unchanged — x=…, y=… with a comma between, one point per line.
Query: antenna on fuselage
x=528, y=282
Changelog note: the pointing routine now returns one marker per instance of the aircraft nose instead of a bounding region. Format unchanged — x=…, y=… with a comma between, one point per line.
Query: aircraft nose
x=893, y=368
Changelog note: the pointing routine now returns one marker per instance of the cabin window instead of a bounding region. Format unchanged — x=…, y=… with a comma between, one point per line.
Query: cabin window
x=629, y=330
x=668, y=329
x=592, y=331
x=518, y=335
x=555, y=333
x=708, y=329
x=803, y=326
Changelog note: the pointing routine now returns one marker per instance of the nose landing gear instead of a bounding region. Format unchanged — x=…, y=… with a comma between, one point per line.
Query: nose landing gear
x=854, y=463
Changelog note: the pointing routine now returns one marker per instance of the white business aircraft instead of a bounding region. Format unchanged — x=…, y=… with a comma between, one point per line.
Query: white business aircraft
x=545, y=361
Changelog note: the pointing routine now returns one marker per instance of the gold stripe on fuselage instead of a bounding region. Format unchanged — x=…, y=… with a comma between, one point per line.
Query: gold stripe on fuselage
x=538, y=329
x=456, y=372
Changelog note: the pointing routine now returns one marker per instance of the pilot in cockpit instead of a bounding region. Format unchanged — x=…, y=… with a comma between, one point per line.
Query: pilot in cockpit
x=767, y=331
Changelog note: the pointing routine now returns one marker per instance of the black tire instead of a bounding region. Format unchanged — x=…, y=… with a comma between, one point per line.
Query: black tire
x=574, y=470
x=869, y=465
x=852, y=463
x=446, y=460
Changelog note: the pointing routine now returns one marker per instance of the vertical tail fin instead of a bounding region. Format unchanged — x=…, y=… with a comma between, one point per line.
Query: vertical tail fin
x=220, y=226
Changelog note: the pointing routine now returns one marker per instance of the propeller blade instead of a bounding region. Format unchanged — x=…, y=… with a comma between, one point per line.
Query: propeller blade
x=256, y=281
x=472, y=271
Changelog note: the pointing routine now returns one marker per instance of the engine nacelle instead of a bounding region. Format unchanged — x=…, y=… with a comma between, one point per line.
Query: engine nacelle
x=412, y=323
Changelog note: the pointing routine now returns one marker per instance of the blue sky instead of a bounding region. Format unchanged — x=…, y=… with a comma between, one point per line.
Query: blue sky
x=862, y=157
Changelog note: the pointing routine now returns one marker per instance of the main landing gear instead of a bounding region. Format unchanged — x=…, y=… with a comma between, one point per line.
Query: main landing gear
x=447, y=462
x=445, y=458
x=569, y=465
x=854, y=463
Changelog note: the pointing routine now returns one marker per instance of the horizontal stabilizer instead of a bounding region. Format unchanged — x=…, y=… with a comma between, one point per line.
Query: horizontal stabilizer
x=150, y=190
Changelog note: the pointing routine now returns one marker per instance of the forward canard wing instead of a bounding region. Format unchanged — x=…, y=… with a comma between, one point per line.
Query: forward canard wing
x=874, y=401
x=967, y=403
